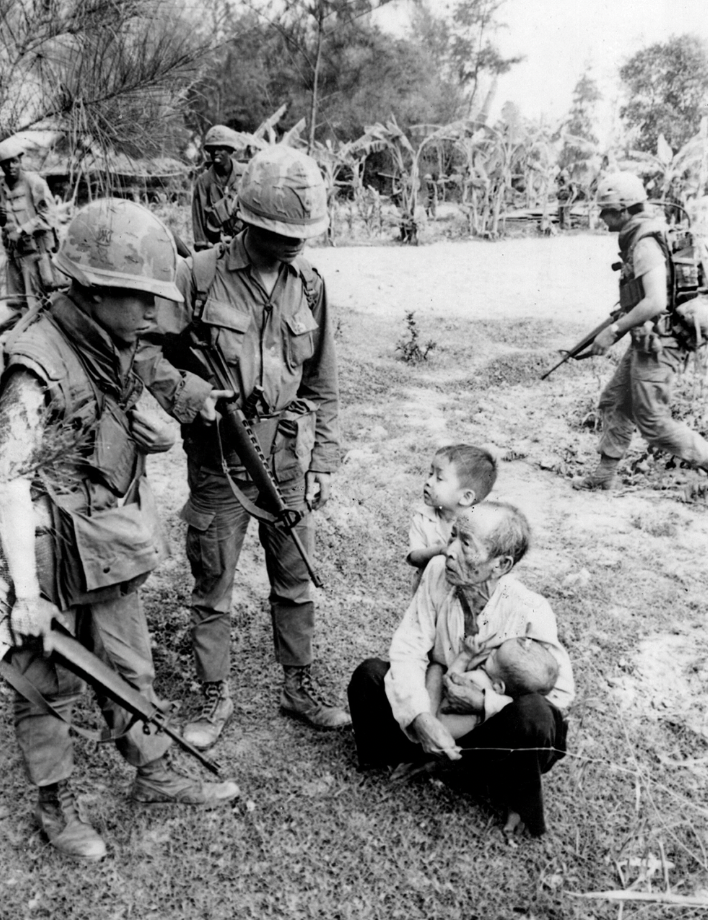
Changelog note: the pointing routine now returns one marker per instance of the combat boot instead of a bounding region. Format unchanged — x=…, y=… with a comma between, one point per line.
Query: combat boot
x=217, y=710
x=157, y=783
x=602, y=478
x=301, y=698
x=59, y=815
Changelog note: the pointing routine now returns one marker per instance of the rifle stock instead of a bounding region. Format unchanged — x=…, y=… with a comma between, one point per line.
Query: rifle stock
x=80, y=661
x=577, y=352
x=242, y=439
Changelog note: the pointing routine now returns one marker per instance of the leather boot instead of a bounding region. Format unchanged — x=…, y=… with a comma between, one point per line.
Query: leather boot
x=303, y=699
x=602, y=478
x=60, y=817
x=216, y=713
x=156, y=782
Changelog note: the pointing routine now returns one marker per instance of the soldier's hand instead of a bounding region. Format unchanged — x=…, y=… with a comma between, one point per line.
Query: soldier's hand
x=318, y=487
x=32, y=616
x=151, y=436
x=207, y=412
x=603, y=342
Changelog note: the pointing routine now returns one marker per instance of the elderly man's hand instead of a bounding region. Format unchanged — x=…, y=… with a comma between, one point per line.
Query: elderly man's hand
x=462, y=696
x=434, y=738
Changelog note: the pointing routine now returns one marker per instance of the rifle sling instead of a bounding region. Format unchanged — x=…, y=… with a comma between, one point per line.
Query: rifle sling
x=250, y=507
x=27, y=689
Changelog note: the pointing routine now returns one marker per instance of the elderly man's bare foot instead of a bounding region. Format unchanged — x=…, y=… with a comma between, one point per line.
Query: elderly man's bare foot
x=514, y=824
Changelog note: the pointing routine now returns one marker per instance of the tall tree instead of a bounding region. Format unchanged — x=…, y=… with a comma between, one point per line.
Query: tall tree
x=473, y=53
x=580, y=123
x=106, y=72
x=667, y=83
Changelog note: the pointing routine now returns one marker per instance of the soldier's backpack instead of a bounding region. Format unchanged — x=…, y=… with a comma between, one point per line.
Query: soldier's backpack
x=688, y=310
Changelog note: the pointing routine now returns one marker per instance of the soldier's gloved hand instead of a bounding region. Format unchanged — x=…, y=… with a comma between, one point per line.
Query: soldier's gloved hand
x=32, y=616
x=151, y=436
x=318, y=487
x=207, y=413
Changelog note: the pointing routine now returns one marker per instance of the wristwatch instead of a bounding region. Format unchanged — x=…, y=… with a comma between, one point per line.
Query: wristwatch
x=614, y=329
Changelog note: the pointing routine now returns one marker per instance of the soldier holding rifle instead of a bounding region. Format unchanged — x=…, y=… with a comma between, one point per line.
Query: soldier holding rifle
x=78, y=525
x=266, y=309
x=639, y=393
x=27, y=219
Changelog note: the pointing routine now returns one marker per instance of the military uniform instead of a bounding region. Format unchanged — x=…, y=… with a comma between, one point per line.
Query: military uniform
x=283, y=344
x=214, y=205
x=78, y=524
x=28, y=235
x=639, y=392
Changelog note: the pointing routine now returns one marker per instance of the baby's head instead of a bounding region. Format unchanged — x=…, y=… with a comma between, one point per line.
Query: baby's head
x=521, y=666
x=460, y=476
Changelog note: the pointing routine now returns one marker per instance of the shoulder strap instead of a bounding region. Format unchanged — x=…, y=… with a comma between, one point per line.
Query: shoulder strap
x=308, y=275
x=204, y=272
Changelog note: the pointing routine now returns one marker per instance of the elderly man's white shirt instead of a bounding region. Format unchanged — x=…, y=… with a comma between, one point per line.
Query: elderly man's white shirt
x=432, y=630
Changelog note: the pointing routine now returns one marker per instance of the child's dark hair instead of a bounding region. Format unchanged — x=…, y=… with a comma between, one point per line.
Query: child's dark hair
x=476, y=467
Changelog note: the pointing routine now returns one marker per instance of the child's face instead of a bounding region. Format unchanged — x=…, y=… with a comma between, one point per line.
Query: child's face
x=442, y=488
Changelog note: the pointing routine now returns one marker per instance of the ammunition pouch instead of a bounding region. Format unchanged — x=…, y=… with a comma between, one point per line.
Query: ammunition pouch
x=111, y=552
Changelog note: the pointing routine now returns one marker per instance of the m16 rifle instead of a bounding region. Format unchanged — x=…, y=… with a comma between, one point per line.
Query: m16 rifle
x=80, y=661
x=241, y=438
x=580, y=351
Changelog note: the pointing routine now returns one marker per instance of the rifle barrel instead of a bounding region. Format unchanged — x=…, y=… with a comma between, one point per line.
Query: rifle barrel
x=80, y=661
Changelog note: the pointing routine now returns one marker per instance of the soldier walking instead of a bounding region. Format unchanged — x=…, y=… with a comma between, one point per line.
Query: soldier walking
x=639, y=392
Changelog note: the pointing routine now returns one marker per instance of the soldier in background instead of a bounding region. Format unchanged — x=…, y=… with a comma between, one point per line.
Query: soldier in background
x=215, y=195
x=28, y=221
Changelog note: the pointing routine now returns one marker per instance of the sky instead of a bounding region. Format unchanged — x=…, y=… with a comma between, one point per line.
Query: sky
x=560, y=38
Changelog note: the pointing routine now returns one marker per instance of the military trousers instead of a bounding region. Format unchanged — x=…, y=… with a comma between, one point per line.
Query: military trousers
x=639, y=394
x=116, y=631
x=217, y=525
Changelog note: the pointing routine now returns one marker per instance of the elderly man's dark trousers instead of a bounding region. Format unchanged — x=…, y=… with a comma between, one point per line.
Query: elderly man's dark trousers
x=510, y=751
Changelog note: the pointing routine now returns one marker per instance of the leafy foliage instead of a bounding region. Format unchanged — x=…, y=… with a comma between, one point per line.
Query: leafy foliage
x=409, y=345
x=580, y=123
x=667, y=84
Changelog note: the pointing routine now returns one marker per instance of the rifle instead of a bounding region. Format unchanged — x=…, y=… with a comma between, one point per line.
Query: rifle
x=272, y=508
x=578, y=352
x=80, y=661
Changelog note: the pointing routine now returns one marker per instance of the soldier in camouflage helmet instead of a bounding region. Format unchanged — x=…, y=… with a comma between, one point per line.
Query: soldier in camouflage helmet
x=79, y=533
x=215, y=195
x=267, y=308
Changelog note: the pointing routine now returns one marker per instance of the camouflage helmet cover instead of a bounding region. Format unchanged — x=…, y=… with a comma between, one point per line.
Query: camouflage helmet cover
x=620, y=190
x=283, y=191
x=115, y=243
x=10, y=148
x=221, y=136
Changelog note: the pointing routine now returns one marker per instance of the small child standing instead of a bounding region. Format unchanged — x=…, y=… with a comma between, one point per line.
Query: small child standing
x=460, y=476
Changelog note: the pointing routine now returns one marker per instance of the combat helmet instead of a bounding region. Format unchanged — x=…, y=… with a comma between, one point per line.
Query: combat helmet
x=283, y=191
x=10, y=148
x=620, y=190
x=115, y=243
x=221, y=136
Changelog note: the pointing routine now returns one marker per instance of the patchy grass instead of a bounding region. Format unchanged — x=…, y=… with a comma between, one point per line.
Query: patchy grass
x=311, y=837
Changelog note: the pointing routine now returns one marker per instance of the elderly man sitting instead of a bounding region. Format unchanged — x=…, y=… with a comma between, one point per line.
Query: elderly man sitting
x=468, y=593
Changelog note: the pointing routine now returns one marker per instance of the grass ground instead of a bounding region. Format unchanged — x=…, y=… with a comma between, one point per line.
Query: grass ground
x=312, y=838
